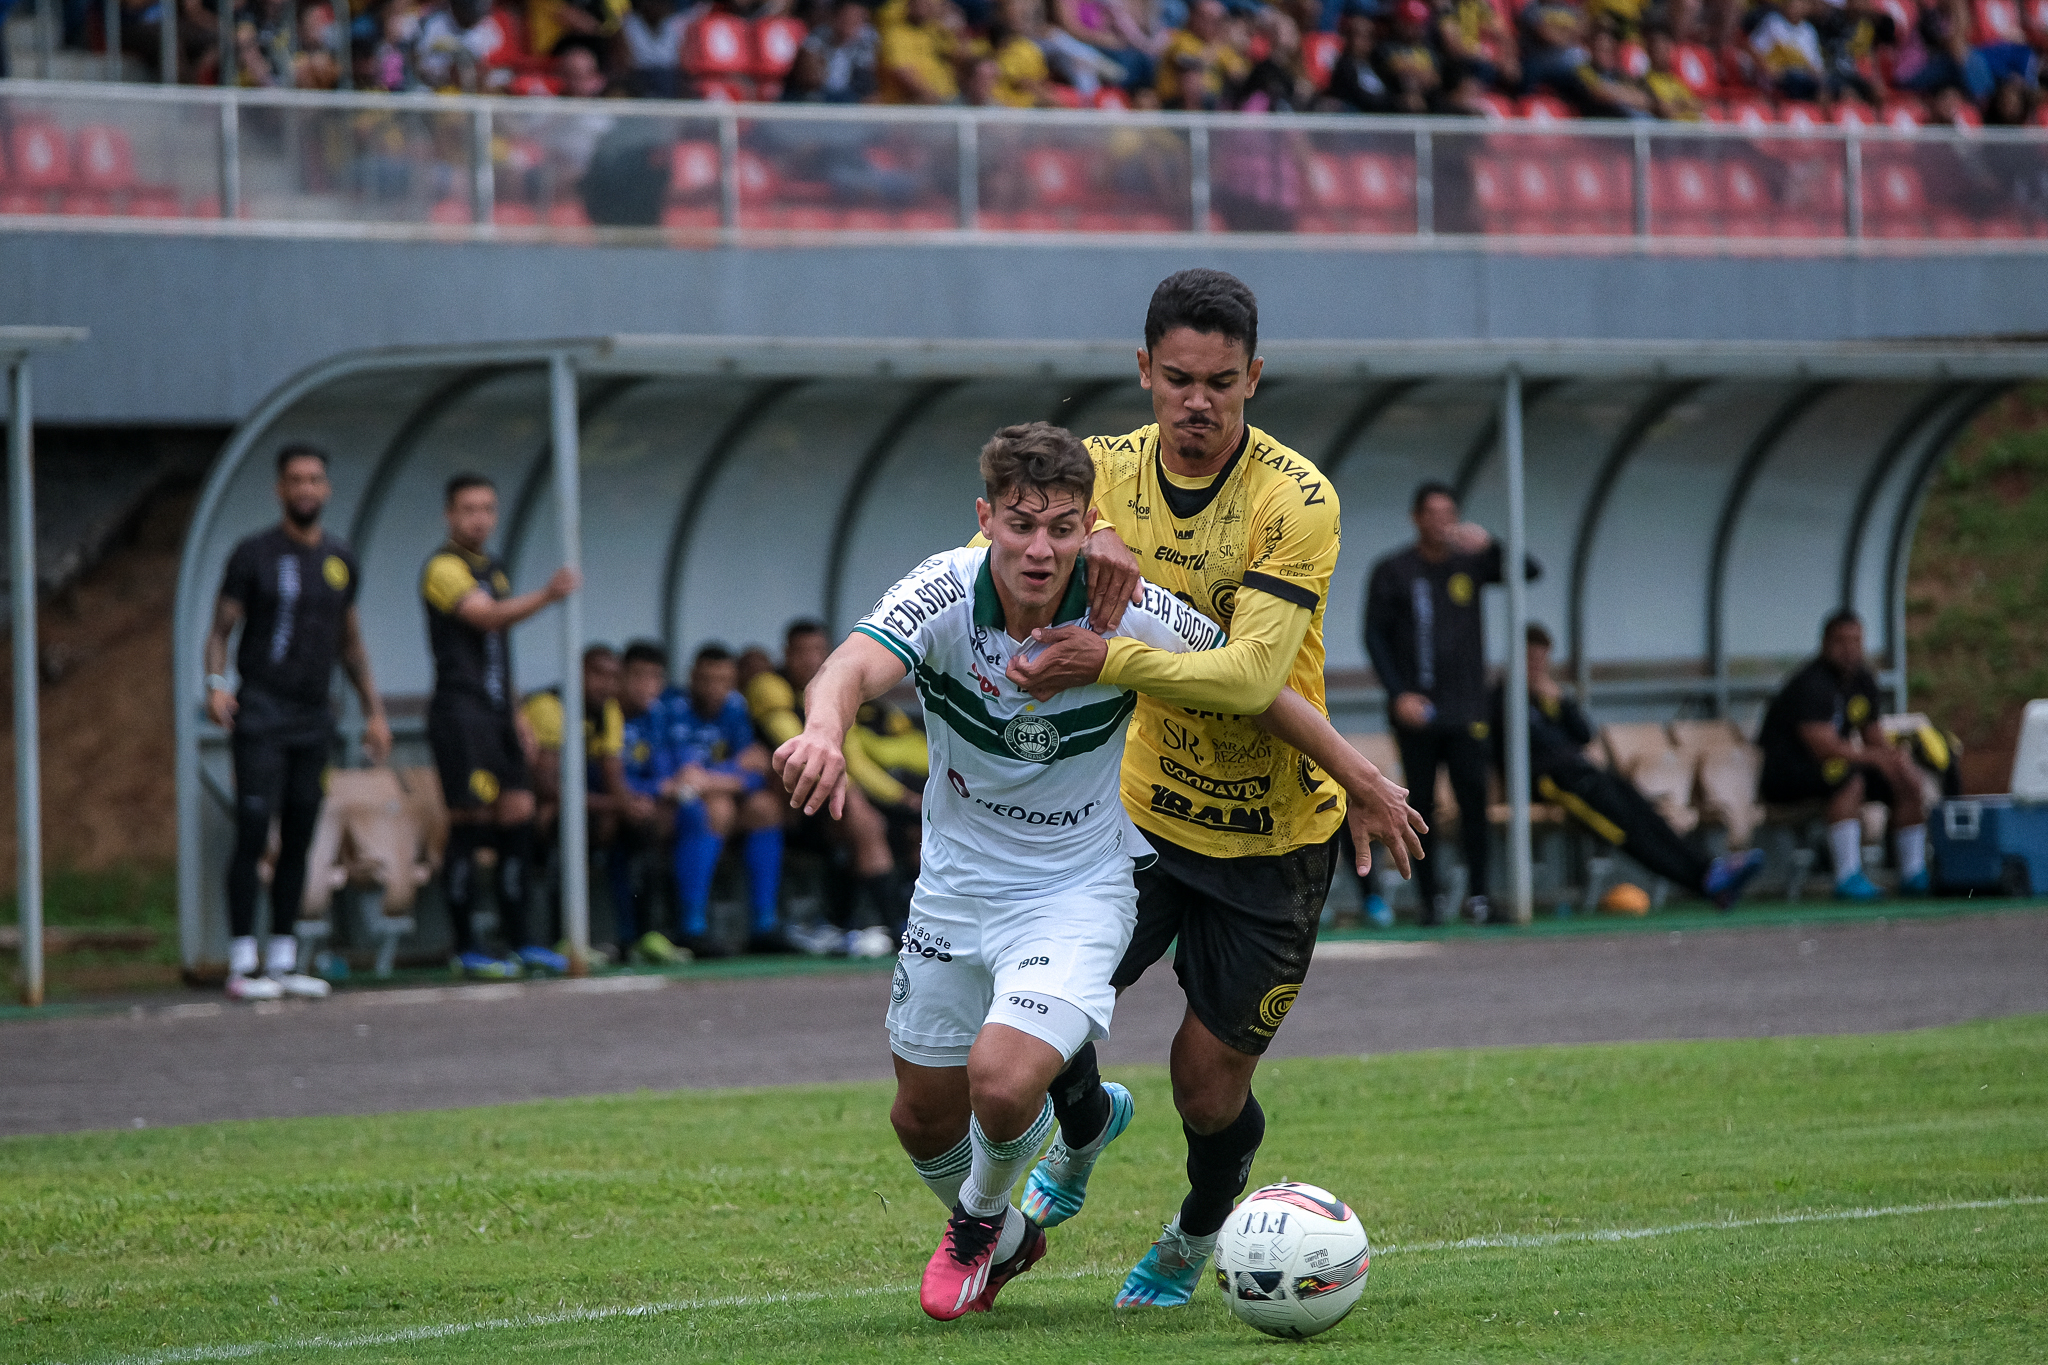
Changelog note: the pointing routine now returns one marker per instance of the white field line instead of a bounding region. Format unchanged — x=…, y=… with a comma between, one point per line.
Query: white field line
x=1521, y=1241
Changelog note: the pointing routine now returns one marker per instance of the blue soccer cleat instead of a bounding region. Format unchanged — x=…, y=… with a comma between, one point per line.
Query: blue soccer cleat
x=538, y=959
x=1059, y=1182
x=1167, y=1274
x=484, y=967
x=1919, y=884
x=1857, y=887
x=1729, y=873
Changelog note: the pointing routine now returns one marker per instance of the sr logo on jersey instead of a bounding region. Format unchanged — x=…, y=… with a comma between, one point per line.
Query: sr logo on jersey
x=483, y=785
x=1223, y=601
x=335, y=572
x=1459, y=589
x=1859, y=710
x=1032, y=738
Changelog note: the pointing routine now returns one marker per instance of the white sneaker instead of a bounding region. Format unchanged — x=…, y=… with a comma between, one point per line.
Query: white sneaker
x=254, y=988
x=303, y=986
x=873, y=941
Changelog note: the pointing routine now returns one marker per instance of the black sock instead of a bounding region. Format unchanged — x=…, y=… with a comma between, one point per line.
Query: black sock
x=515, y=863
x=1219, y=1164
x=458, y=882
x=1078, y=1100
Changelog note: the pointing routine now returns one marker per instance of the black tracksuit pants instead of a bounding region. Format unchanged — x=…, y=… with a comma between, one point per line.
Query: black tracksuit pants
x=1612, y=808
x=1456, y=748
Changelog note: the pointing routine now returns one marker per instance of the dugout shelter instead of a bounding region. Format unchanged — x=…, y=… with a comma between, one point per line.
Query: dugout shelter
x=1698, y=506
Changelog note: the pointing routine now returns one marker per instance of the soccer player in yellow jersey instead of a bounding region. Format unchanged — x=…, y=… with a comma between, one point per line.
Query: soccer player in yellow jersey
x=1245, y=825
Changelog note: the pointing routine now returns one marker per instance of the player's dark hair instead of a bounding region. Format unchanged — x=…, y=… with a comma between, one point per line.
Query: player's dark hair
x=713, y=653
x=1841, y=616
x=1036, y=457
x=595, y=652
x=299, y=450
x=1431, y=488
x=462, y=483
x=1537, y=635
x=1208, y=301
x=803, y=625
x=645, y=652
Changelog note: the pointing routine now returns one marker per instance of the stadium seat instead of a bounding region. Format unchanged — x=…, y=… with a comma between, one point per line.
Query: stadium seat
x=1854, y=114
x=719, y=45
x=156, y=201
x=1056, y=177
x=1694, y=65
x=1643, y=753
x=1319, y=53
x=1329, y=188
x=1996, y=21
x=1750, y=111
x=1746, y=203
x=104, y=159
x=1110, y=98
x=1727, y=783
x=931, y=220
x=39, y=157
x=693, y=218
x=382, y=831
x=1698, y=738
x=693, y=170
x=724, y=90
x=1684, y=197
x=86, y=204
x=514, y=215
x=758, y=179
x=1894, y=201
x=1598, y=194
x=1382, y=184
x=1635, y=59
x=1496, y=108
x=775, y=44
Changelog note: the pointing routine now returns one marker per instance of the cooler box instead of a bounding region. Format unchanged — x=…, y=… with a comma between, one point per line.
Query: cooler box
x=1990, y=843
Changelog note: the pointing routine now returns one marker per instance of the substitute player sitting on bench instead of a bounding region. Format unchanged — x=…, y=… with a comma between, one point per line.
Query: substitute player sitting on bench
x=1603, y=802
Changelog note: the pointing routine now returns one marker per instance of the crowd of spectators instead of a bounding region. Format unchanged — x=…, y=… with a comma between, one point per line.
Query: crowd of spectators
x=1668, y=59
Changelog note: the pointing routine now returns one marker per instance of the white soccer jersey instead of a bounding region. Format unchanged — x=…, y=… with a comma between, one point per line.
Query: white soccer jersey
x=1031, y=798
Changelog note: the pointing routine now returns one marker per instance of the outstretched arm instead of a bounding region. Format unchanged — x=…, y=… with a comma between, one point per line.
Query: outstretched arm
x=1242, y=678
x=812, y=766
x=484, y=612
x=1378, y=808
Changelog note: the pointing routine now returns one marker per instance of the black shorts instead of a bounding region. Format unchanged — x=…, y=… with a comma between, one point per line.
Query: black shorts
x=478, y=754
x=1794, y=777
x=274, y=772
x=1246, y=926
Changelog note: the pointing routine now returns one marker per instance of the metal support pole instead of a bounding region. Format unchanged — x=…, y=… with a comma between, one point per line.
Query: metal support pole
x=48, y=17
x=483, y=174
x=1642, y=182
x=225, y=17
x=729, y=172
x=1521, y=871
x=28, y=783
x=569, y=513
x=1425, y=184
x=345, y=47
x=167, y=42
x=230, y=157
x=970, y=175
x=1852, y=184
x=1198, y=176
x=110, y=21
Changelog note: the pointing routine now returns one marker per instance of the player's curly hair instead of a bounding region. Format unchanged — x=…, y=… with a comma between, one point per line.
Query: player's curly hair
x=1037, y=457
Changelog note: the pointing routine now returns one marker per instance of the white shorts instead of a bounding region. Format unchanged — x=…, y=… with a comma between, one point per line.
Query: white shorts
x=960, y=953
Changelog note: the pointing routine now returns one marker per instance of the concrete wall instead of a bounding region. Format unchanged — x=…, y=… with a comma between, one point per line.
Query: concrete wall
x=199, y=329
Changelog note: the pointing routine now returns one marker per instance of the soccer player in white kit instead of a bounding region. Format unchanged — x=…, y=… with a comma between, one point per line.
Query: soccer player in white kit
x=1025, y=902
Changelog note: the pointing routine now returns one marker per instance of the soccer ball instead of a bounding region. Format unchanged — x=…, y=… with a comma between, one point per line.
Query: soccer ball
x=1291, y=1260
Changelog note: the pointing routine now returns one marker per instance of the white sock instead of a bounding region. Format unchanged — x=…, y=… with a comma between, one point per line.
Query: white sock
x=1201, y=1246
x=944, y=1173
x=1845, y=837
x=999, y=1165
x=281, y=955
x=242, y=956
x=1012, y=1235
x=1912, y=850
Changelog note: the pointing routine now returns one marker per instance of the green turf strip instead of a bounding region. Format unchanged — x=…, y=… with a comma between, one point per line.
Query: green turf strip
x=132, y=1243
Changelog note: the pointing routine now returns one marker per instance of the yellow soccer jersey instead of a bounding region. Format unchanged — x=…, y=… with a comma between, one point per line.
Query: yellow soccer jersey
x=1251, y=548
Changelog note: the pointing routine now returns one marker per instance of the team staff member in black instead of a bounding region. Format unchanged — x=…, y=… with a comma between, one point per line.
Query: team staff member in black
x=480, y=740
x=292, y=590
x=1427, y=640
x=1810, y=755
x=1608, y=805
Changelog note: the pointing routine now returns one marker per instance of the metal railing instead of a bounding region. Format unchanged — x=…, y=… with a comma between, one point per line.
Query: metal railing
x=487, y=167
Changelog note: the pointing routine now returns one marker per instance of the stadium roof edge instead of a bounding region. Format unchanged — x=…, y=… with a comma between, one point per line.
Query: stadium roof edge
x=16, y=342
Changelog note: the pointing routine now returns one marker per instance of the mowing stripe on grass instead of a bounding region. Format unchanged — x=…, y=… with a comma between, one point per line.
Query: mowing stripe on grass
x=1520, y=1241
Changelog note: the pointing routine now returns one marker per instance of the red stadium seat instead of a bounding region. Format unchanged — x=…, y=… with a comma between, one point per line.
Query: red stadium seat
x=1319, y=53
x=1746, y=205
x=1684, y=197
x=1895, y=202
x=1597, y=194
x=13, y=200
x=1382, y=184
x=1853, y=114
x=40, y=155
x=1635, y=59
x=1964, y=115
x=1063, y=96
x=693, y=170
x=931, y=220
x=1694, y=65
x=1328, y=186
x=86, y=204
x=515, y=215
x=1750, y=111
x=1496, y=108
x=718, y=45
x=686, y=218
x=1546, y=109
x=1535, y=196
x=1996, y=21
x=724, y=91
x=1109, y=97
x=1058, y=178
x=104, y=158
x=775, y=46
x=155, y=202
x=1905, y=14
x=758, y=180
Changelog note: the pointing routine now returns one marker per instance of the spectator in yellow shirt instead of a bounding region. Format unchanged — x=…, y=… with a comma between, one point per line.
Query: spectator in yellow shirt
x=1670, y=97
x=920, y=54
x=1199, y=67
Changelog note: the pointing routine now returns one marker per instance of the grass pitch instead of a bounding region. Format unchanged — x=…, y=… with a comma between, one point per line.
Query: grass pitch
x=785, y=1225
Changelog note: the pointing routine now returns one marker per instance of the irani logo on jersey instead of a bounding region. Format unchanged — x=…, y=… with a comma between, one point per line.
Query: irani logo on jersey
x=1032, y=738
